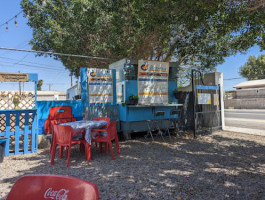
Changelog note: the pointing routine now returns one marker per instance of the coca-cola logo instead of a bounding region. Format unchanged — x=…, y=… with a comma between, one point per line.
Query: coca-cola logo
x=56, y=195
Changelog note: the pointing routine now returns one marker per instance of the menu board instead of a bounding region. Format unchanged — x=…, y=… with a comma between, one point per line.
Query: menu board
x=152, y=82
x=100, y=85
x=204, y=98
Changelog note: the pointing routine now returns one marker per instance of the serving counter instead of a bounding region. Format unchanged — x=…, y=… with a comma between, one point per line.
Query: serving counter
x=154, y=105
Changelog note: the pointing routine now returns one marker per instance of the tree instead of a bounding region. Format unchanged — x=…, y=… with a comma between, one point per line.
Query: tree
x=39, y=85
x=254, y=69
x=196, y=34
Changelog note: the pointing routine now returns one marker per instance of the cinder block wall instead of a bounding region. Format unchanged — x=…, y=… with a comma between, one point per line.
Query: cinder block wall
x=248, y=103
x=250, y=93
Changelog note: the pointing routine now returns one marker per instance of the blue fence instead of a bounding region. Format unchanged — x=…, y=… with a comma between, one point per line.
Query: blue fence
x=20, y=129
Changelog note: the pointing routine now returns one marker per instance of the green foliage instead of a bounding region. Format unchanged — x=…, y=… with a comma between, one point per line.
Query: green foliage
x=133, y=97
x=148, y=29
x=132, y=100
x=39, y=85
x=124, y=104
x=254, y=69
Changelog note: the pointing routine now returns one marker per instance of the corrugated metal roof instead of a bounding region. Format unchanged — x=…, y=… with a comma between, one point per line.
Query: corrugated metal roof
x=251, y=84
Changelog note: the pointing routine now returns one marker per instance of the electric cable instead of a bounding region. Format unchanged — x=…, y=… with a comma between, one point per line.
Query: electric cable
x=58, y=54
x=11, y=19
x=35, y=66
x=28, y=62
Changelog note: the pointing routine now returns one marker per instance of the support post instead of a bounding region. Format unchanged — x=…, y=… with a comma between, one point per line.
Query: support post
x=222, y=100
x=194, y=103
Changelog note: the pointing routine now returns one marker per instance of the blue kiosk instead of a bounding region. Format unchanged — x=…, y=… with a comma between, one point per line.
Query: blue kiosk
x=152, y=84
x=131, y=91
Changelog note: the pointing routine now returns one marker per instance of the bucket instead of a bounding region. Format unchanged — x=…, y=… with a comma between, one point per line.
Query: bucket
x=2, y=148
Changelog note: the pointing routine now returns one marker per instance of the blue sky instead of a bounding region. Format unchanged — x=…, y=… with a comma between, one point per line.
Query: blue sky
x=53, y=72
x=230, y=67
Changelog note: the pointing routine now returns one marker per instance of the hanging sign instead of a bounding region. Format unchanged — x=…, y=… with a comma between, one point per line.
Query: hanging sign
x=204, y=98
x=100, y=85
x=216, y=99
x=152, y=82
x=14, y=77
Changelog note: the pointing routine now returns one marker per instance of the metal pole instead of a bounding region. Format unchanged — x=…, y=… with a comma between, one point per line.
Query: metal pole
x=19, y=84
x=194, y=105
x=71, y=79
x=36, y=94
x=220, y=106
x=50, y=85
x=19, y=87
x=221, y=82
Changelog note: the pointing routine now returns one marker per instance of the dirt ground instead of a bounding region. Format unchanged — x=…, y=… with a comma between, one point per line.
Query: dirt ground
x=222, y=165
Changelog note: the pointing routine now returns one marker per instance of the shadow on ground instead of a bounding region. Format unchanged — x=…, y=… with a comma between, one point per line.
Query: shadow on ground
x=215, y=166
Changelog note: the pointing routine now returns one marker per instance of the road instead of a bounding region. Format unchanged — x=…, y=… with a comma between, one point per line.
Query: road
x=244, y=118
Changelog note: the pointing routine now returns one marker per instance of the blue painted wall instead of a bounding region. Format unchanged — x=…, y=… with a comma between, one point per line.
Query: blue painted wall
x=33, y=77
x=130, y=88
x=114, y=87
x=84, y=86
x=172, y=85
x=130, y=114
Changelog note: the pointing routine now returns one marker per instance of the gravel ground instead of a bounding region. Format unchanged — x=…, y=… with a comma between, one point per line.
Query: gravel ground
x=223, y=165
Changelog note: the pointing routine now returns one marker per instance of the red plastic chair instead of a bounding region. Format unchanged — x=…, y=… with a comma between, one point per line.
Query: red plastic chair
x=52, y=140
x=107, y=119
x=76, y=132
x=60, y=114
x=40, y=187
x=63, y=137
x=112, y=135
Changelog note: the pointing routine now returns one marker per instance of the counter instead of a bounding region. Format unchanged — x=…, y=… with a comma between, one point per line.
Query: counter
x=153, y=105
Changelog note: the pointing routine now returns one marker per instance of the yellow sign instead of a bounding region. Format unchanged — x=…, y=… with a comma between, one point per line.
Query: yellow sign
x=14, y=77
x=204, y=98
